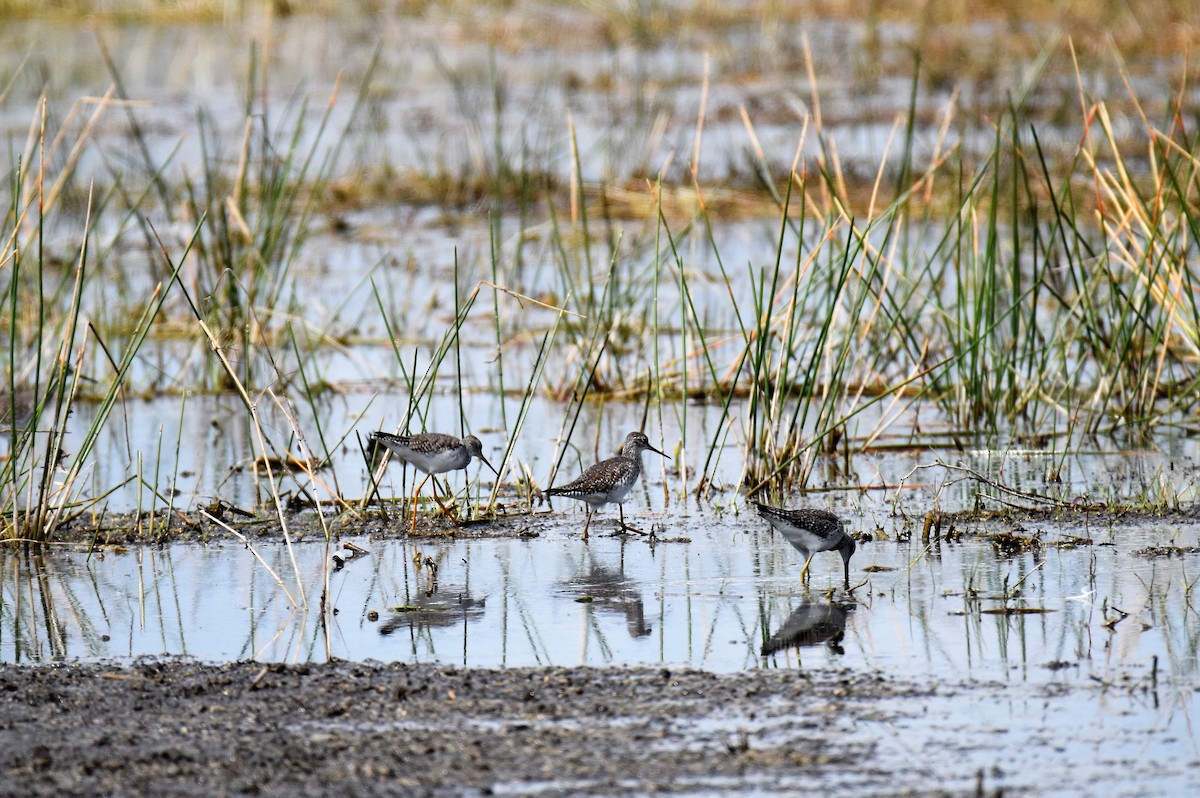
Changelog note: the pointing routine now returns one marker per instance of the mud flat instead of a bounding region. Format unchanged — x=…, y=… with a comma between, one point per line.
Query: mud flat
x=175, y=726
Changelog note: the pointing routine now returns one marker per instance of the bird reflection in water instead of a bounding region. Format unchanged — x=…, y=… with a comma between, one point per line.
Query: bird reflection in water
x=811, y=624
x=428, y=604
x=609, y=590
x=443, y=609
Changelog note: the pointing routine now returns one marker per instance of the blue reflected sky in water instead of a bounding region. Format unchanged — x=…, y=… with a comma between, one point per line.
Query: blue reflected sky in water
x=552, y=600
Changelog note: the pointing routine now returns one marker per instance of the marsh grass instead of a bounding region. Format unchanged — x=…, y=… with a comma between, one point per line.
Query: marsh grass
x=1056, y=304
x=1027, y=295
x=259, y=219
x=1030, y=298
x=40, y=483
x=238, y=278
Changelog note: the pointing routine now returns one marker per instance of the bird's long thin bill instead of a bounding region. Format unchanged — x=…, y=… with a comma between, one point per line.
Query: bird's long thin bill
x=489, y=465
x=656, y=451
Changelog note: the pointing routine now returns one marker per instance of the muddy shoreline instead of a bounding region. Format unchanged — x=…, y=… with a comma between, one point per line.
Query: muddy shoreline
x=262, y=524
x=180, y=727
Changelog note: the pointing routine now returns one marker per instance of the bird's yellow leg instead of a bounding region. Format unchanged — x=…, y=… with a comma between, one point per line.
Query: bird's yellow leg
x=626, y=527
x=413, y=507
x=587, y=523
x=804, y=570
x=449, y=512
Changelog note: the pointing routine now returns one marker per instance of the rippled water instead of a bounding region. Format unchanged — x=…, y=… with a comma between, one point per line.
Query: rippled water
x=718, y=601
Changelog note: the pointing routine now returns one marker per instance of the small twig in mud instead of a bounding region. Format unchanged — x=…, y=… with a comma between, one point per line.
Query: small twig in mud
x=220, y=507
x=970, y=473
x=850, y=590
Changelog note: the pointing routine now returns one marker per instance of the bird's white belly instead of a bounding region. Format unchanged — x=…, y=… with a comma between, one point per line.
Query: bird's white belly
x=614, y=495
x=806, y=541
x=621, y=490
x=437, y=462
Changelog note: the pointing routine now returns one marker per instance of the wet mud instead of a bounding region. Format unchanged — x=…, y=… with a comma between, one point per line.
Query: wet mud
x=179, y=727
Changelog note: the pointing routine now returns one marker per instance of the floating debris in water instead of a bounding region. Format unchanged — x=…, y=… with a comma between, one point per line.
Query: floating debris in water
x=1008, y=544
x=1071, y=542
x=1167, y=551
x=1015, y=610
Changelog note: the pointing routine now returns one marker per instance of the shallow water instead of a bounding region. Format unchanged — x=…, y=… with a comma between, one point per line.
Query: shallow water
x=712, y=602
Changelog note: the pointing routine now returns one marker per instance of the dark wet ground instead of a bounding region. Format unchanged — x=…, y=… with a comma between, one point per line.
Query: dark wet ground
x=179, y=727
x=176, y=727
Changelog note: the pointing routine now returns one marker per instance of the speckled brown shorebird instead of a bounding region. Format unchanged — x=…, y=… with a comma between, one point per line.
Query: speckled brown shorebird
x=811, y=531
x=431, y=453
x=609, y=481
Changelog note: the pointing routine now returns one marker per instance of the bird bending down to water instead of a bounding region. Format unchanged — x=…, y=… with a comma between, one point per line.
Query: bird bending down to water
x=609, y=481
x=811, y=531
x=431, y=453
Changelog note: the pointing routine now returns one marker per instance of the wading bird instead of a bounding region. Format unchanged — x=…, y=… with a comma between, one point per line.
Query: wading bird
x=811, y=531
x=431, y=453
x=609, y=481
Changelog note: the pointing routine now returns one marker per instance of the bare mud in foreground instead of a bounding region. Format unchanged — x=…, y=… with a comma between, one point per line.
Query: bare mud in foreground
x=179, y=727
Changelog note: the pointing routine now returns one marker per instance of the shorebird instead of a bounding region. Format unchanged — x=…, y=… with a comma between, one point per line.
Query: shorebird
x=431, y=453
x=811, y=531
x=609, y=481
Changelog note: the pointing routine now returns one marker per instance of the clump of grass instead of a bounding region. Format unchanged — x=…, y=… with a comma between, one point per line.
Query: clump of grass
x=1025, y=298
x=258, y=221
x=56, y=355
x=48, y=331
